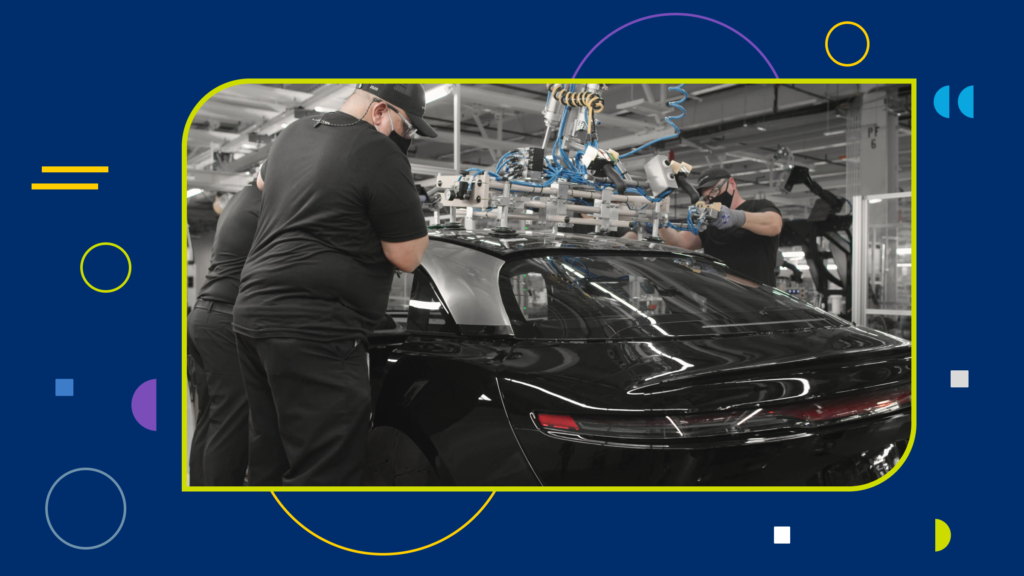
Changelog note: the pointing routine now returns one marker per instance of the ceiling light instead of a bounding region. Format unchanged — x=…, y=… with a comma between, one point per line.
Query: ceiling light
x=438, y=92
x=904, y=265
x=802, y=267
x=832, y=267
x=903, y=251
x=797, y=255
x=874, y=201
x=192, y=192
x=834, y=133
x=762, y=128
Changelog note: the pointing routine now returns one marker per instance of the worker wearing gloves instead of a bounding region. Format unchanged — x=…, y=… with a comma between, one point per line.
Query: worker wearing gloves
x=340, y=212
x=220, y=444
x=745, y=235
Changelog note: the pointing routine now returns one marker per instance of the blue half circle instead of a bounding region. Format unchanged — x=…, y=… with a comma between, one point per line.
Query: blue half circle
x=966, y=101
x=942, y=101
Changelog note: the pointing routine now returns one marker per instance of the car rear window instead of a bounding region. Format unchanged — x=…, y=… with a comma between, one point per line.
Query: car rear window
x=573, y=296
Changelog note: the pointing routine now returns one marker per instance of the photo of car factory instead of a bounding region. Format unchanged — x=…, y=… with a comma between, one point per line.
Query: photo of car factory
x=560, y=285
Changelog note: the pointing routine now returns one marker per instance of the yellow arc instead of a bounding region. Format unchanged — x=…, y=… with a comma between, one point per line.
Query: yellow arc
x=81, y=268
x=866, y=48
x=942, y=535
x=322, y=539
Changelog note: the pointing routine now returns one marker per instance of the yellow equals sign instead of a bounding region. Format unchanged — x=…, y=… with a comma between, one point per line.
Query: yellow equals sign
x=71, y=170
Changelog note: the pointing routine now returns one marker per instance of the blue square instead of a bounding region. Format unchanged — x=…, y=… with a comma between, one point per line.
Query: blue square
x=65, y=387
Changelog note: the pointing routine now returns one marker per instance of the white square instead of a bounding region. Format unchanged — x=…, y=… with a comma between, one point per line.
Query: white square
x=958, y=378
x=782, y=534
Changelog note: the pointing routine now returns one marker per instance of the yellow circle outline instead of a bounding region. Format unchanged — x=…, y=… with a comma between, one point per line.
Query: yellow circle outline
x=81, y=267
x=866, y=37
x=322, y=539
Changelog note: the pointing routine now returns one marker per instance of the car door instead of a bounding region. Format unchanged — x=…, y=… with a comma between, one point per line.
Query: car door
x=437, y=387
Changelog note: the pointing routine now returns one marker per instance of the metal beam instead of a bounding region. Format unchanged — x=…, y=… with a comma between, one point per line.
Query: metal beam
x=199, y=157
x=483, y=132
x=219, y=108
x=273, y=124
x=260, y=93
x=248, y=161
x=628, y=141
x=217, y=180
x=480, y=142
x=751, y=101
x=522, y=104
x=433, y=167
x=207, y=137
x=457, y=121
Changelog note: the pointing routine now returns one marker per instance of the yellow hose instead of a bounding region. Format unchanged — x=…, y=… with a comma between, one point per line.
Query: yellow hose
x=592, y=102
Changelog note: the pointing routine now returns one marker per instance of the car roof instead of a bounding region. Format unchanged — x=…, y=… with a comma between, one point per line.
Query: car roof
x=535, y=241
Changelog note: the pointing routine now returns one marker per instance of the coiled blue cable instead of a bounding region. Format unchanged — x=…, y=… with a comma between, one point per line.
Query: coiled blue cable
x=677, y=104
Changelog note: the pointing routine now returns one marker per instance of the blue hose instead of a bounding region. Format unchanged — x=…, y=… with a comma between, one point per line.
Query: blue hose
x=682, y=112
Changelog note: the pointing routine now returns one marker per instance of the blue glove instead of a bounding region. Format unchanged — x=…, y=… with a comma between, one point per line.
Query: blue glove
x=729, y=218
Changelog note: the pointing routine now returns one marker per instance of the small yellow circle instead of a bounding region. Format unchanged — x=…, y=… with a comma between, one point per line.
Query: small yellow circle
x=81, y=268
x=866, y=48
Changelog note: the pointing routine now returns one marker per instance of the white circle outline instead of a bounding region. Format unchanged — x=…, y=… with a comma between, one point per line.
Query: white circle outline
x=124, y=504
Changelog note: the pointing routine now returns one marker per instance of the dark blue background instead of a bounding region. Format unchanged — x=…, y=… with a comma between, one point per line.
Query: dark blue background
x=87, y=86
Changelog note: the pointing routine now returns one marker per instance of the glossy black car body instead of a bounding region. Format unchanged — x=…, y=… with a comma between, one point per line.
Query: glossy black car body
x=459, y=399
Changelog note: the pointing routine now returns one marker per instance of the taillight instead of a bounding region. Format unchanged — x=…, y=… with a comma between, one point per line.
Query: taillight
x=804, y=415
x=554, y=422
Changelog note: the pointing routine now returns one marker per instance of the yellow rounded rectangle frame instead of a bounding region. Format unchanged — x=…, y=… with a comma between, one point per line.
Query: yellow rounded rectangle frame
x=184, y=288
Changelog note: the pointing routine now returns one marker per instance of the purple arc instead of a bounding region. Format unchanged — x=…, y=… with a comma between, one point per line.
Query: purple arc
x=698, y=16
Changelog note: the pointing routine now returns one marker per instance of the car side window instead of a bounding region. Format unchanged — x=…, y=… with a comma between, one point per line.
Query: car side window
x=414, y=303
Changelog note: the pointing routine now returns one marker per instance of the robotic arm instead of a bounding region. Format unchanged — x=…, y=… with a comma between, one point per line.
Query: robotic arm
x=801, y=175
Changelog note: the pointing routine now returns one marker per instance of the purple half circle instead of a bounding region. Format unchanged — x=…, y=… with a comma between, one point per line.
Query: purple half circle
x=144, y=405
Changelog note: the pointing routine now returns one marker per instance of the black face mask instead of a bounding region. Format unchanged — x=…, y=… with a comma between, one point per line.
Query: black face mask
x=403, y=143
x=724, y=197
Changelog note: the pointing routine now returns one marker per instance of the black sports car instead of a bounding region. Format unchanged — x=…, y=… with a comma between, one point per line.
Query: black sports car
x=580, y=360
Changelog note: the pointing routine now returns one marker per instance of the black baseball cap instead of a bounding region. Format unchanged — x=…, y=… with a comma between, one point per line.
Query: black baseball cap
x=408, y=97
x=711, y=177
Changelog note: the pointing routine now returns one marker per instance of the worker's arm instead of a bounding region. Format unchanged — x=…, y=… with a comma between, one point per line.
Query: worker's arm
x=406, y=256
x=763, y=223
x=675, y=238
x=680, y=239
x=395, y=211
x=767, y=223
x=261, y=173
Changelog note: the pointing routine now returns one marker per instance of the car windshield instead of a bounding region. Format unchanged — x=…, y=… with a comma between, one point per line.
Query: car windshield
x=620, y=296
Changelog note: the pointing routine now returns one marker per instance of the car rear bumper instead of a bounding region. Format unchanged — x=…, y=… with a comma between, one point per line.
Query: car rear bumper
x=849, y=454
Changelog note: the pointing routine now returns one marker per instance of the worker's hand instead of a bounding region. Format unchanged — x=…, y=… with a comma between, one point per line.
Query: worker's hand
x=729, y=218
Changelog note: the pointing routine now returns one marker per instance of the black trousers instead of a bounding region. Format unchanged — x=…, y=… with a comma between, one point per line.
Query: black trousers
x=220, y=444
x=310, y=410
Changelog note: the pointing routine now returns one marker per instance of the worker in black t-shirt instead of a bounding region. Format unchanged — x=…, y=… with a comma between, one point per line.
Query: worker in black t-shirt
x=220, y=444
x=745, y=235
x=340, y=212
